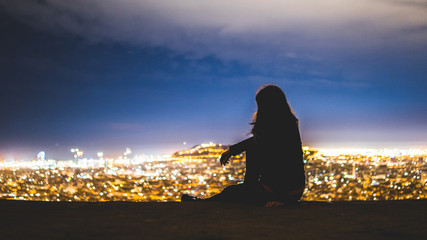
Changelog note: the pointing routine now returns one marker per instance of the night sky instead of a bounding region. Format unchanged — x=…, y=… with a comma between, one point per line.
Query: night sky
x=102, y=75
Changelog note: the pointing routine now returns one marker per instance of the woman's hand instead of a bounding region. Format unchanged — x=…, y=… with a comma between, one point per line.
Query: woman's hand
x=225, y=158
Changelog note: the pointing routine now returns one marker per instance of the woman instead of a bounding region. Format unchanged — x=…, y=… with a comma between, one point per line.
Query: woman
x=274, y=159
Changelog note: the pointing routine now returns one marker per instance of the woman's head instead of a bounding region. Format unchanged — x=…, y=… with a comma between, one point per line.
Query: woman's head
x=273, y=106
x=270, y=96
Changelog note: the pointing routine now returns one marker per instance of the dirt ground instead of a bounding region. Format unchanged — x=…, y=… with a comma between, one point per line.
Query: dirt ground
x=127, y=220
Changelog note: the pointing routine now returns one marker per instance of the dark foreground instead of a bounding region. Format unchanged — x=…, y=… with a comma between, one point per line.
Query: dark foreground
x=126, y=220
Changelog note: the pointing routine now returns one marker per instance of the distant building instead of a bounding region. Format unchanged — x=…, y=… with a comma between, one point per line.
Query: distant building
x=41, y=156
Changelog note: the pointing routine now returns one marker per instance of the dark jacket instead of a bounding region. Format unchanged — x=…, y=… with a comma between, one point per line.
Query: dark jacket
x=280, y=155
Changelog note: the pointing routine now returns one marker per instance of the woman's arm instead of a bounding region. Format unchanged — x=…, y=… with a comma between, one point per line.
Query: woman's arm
x=241, y=146
x=235, y=149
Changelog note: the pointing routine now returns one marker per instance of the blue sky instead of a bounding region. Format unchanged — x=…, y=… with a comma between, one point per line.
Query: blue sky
x=104, y=75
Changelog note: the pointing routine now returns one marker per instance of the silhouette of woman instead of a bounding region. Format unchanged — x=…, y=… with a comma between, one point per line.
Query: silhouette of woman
x=274, y=159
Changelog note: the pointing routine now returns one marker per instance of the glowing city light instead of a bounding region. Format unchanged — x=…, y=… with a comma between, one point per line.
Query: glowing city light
x=332, y=174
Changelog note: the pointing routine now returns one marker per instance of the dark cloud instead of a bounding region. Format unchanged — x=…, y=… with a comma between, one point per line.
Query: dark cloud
x=234, y=30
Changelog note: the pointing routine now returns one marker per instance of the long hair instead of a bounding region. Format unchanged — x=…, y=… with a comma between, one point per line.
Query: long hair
x=273, y=110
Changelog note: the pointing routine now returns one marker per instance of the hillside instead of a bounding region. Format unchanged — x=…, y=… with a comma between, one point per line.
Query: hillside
x=129, y=220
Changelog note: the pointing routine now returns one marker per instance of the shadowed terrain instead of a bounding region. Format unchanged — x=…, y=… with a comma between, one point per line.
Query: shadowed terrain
x=151, y=220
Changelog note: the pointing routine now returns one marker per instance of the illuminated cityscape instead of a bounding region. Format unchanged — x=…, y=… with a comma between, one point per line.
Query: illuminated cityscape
x=332, y=175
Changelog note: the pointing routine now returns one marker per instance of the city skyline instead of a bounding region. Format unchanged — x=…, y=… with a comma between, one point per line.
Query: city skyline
x=331, y=176
x=78, y=154
x=106, y=75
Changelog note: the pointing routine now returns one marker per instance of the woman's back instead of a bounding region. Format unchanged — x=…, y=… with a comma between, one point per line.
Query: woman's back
x=282, y=166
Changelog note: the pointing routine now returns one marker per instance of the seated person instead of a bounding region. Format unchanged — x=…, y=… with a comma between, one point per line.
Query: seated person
x=274, y=160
